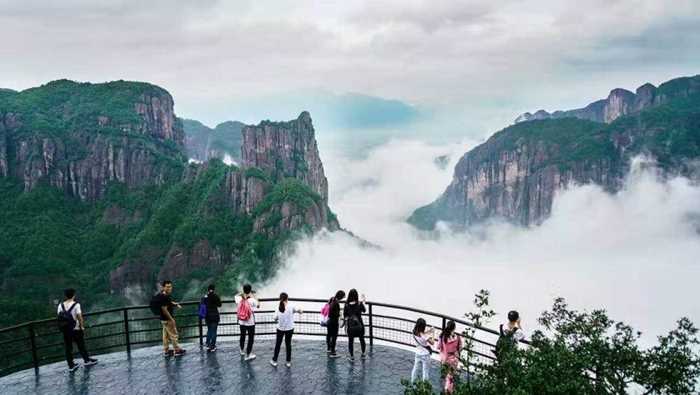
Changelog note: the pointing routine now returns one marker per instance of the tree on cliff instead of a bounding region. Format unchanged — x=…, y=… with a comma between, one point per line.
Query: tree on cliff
x=582, y=353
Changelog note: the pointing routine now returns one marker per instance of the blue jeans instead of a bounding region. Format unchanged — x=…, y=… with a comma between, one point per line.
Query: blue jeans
x=421, y=360
x=211, y=333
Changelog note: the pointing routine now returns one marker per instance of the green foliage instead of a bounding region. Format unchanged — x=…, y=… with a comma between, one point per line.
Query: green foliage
x=289, y=190
x=581, y=353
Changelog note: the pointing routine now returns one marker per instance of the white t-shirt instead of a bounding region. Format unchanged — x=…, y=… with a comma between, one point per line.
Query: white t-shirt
x=421, y=344
x=76, y=310
x=285, y=321
x=253, y=305
x=518, y=335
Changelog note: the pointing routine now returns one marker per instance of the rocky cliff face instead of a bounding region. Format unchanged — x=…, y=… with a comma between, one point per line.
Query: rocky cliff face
x=516, y=174
x=279, y=189
x=46, y=136
x=286, y=149
x=622, y=102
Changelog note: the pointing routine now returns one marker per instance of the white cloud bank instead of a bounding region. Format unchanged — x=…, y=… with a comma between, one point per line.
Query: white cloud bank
x=634, y=253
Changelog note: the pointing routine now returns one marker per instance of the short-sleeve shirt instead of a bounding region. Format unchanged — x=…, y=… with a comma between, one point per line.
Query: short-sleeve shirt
x=76, y=310
x=253, y=305
x=167, y=301
x=518, y=335
x=285, y=321
x=422, y=344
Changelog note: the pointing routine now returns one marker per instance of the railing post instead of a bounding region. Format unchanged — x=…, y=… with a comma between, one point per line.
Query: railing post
x=126, y=332
x=371, y=326
x=444, y=323
x=201, y=340
x=32, y=340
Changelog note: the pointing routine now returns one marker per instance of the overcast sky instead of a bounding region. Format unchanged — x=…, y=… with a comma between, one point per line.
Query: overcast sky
x=476, y=63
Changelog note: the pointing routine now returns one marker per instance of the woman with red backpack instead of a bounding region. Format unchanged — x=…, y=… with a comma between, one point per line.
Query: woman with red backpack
x=246, y=319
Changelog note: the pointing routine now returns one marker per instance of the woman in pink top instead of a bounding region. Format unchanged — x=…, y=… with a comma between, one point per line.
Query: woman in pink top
x=450, y=346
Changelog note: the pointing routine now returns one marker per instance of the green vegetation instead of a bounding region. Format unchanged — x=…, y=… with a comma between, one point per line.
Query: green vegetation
x=580, y=353
x=63, y=105
x=49, y=241
x=187, y=227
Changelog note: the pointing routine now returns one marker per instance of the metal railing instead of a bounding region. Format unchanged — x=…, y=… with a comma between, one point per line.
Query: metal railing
x=37, y=343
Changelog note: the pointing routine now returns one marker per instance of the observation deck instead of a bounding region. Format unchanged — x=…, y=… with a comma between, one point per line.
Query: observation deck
x=130, y=362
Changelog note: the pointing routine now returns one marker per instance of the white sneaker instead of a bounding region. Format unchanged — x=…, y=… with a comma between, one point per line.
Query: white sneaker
x=273, y=363
x=242, y=352
x=74, y=368
x=250, y=357
x=289, y=364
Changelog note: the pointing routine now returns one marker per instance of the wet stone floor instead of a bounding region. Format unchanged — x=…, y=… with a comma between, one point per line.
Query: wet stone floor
x=225, y=372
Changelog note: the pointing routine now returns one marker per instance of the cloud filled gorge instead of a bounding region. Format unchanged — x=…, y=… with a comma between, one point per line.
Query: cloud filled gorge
x=634, y=253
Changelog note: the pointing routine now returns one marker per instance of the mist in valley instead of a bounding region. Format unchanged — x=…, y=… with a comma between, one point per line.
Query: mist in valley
x=633, y=253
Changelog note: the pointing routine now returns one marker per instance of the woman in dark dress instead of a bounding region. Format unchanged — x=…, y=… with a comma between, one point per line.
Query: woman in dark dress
x=333, y=323
x=354, y=326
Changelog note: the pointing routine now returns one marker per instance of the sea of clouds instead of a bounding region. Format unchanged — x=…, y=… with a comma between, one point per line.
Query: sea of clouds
x=634, y=253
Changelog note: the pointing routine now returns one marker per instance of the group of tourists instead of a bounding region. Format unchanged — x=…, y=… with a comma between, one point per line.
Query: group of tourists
x=448, y=342
x=449, y=345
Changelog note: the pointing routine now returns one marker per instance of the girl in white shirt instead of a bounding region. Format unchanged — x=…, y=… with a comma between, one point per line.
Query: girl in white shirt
x=423, y=341
x=285, y=328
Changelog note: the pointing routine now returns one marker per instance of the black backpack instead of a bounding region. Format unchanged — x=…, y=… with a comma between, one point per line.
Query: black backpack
x=506, y=341
x=155, y=304
x=65, y=320
x=354, y=326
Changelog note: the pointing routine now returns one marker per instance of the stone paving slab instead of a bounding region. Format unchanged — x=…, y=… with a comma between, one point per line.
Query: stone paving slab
x=225, y=372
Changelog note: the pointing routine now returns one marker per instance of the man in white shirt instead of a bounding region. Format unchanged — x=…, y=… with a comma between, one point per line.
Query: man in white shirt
x=70, y=314
x=247, y=326
x=513, y=328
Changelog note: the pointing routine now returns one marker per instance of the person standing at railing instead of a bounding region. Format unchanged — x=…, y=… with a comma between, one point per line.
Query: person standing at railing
x=424, y=340
x=354, y=327
x=246, y=319
x=450, y=345
x=333, y=323
x=71, y=323
x=510, y=334
x=162, y=303
x=285, y=328
x=212, y=317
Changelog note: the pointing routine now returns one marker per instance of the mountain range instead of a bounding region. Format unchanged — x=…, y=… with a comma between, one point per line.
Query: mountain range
x=96, y=192
x=516, y=173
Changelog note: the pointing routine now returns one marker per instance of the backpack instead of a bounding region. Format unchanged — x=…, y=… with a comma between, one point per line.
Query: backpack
x=506, y=341
x=155, y=304
x=354, y=326
x=244, y=311
x=65, y=320
x=202, y=311
x=325, y=313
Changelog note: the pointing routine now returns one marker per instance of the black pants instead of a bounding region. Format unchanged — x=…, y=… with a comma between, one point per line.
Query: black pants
x=79, y=338
x=287, y=335
x=250, y=331
x=351, y=341
x=332, y=336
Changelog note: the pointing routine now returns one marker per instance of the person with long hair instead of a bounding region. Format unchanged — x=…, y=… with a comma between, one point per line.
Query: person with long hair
x=450, y=345
x=354, y=327
x=424, y=340
x=333, y=323
x=285, y=328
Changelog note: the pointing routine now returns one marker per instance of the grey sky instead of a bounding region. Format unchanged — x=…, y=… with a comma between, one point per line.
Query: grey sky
x=474, y=65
